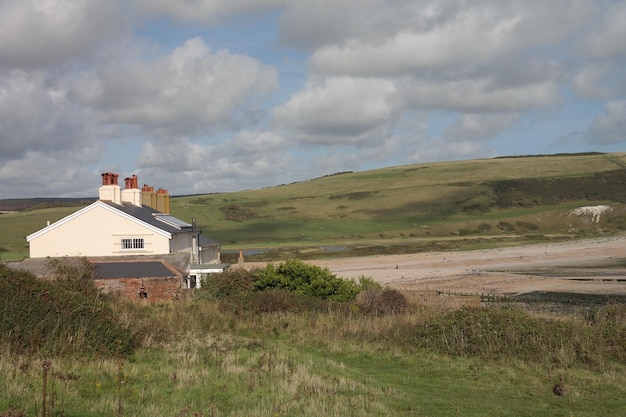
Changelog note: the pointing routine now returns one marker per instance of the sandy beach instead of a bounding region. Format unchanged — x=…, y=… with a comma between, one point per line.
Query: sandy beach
x=498, y=271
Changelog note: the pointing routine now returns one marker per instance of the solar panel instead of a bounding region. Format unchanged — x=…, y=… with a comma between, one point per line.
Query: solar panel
x=171, y=220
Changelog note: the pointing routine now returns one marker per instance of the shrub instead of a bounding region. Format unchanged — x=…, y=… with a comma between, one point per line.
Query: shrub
x=50, y=317
x=375, y=300
x=230, y=283
x=508, y=332
x=506, y=227
x=304, y=279
x=75, y=274
x=527, y=225
x=272, y=301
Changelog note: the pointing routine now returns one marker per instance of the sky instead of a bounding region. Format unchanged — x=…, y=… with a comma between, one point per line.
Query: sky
x=205, y=96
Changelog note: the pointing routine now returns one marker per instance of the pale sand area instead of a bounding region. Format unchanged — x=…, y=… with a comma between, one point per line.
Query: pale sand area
x=487, y=271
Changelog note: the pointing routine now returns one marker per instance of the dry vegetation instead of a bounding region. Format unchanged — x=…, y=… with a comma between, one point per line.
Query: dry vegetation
x=233, y=350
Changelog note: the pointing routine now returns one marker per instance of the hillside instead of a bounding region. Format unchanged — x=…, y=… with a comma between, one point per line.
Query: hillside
x=425, y=204
x=446, y=205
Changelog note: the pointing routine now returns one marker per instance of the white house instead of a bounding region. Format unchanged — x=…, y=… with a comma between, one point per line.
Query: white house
x=122, y=223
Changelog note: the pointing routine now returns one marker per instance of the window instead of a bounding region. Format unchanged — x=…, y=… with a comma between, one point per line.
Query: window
x=132, y=243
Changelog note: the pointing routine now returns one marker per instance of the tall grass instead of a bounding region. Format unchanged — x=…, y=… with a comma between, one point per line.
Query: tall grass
x=225, y=354
x=199, y=358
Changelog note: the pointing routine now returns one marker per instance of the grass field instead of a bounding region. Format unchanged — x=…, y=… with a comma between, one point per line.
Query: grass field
x=218, y=363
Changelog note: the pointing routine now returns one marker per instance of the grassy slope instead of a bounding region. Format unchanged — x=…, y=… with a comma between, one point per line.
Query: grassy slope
x=405, y=204
x=399, y=203
x=307, y=364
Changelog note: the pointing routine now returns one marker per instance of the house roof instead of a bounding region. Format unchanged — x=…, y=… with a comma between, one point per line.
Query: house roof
x=164, y=224
x=128, y=213
x=153, y=217
x=134, y=269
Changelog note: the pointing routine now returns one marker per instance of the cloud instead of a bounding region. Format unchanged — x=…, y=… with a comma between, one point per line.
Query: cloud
x=346, y=84
x=605, y=40
x=208, y=11
x=478, y=95
x=341, y=20
x=338, y=110
x=246, y=160
x=438, y=35
x=37, y=116
x=37, y=33
x=610, y=127
x=190, y=92
x=590, y=82
x=479, y=126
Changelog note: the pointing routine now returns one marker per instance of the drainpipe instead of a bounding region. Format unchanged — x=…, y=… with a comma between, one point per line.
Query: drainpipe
x=194, y=242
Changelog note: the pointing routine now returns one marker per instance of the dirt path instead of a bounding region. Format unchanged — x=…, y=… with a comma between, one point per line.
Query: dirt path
x=479, y=271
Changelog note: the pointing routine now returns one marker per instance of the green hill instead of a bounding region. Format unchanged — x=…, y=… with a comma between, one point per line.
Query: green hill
x=441, y=205
x=503, y=199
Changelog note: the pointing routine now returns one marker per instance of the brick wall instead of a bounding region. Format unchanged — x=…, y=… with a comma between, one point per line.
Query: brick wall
x=157, y=289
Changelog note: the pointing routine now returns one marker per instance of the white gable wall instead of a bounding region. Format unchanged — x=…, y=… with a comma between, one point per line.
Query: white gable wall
x=181, y=242
x=96, y=231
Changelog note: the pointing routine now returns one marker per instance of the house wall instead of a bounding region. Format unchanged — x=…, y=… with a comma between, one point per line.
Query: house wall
x=209, y=255
x=97, y=232
x=181, y=242
x=157, y=289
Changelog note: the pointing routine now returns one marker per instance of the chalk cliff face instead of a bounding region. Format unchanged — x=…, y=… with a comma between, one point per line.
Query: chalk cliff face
x=592, y=214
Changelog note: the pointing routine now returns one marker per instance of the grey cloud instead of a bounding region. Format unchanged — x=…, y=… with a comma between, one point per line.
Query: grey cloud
x=478, y=95
x=209, y=11
x=190, y=92
x=598, y=82
x=57, y=173
x=339, y=107
x=37, y=116
x=479, y=126
x=249, y=160
x=463, y=36
x=605, y=39
x=609, y=127
x=37, y=33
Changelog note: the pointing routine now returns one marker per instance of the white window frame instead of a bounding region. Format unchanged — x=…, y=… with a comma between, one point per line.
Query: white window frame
x=132, y=243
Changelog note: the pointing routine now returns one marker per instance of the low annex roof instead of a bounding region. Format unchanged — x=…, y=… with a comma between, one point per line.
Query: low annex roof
x=149, y=269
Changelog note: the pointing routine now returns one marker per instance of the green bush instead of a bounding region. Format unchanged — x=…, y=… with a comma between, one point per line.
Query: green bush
x=304, y=279
x=51, y=317
x=230, y=283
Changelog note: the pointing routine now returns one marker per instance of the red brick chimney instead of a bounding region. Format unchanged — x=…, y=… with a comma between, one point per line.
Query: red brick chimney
x=110, y=191
x=109, y=178
x=131, y=194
